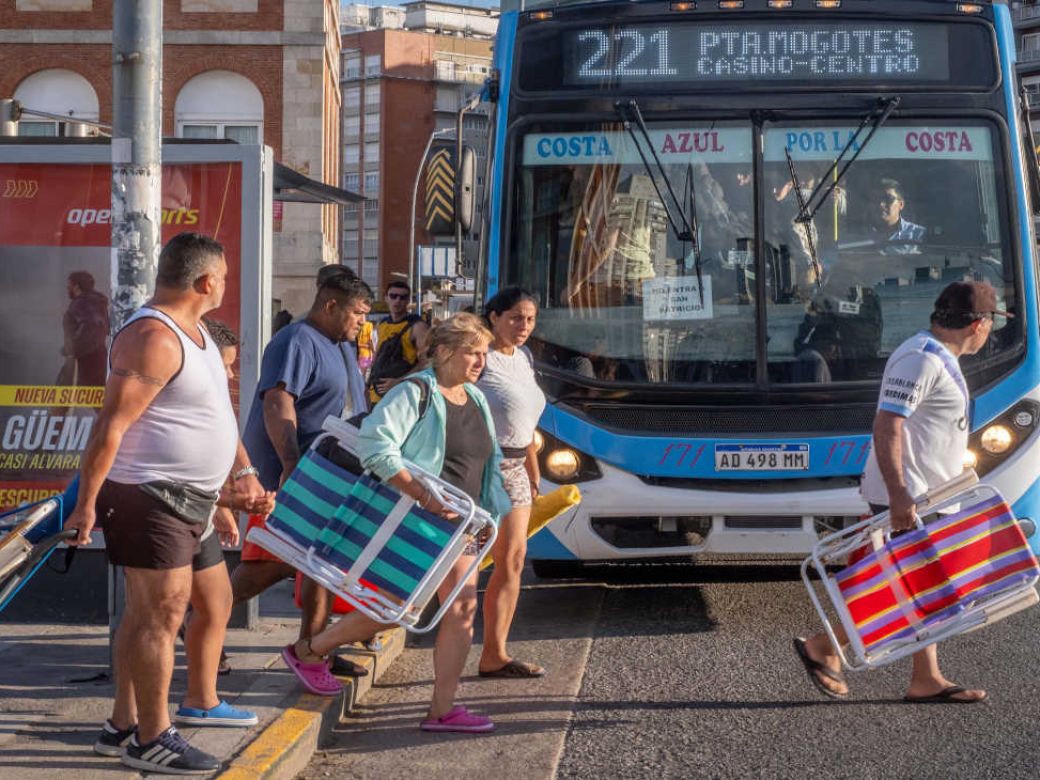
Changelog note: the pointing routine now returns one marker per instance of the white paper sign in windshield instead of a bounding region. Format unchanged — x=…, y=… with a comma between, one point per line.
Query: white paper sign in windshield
x=674, y=146
x=676, y=298
x=918, y=142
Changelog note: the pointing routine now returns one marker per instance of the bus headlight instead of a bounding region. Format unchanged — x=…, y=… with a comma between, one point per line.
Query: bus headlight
x=996, y=439
x=996, y=442
x=562, y=464
x=971, y=460
x=539, y=441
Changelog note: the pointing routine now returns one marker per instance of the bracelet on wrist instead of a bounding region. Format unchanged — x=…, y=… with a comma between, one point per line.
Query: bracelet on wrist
x=244, y=473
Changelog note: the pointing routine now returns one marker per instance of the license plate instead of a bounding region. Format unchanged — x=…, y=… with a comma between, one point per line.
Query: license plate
x=761, y=457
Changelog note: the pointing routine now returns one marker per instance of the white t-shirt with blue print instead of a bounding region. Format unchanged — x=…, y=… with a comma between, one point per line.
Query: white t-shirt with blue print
x=923, y=383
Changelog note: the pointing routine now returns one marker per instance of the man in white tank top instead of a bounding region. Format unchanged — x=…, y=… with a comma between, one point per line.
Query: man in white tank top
x=164, y=442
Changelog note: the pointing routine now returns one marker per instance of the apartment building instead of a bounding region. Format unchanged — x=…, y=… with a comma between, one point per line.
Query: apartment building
x=253, y=71
x=406, y=72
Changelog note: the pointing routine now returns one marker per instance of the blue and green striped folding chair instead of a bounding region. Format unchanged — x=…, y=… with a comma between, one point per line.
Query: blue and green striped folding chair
x=381, y=537
x=310, y=497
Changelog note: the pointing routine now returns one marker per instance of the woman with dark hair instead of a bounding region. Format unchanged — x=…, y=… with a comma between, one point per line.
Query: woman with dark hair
x=516, y=403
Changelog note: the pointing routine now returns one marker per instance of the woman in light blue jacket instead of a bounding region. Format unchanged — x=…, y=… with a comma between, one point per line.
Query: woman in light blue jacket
x=452, y=435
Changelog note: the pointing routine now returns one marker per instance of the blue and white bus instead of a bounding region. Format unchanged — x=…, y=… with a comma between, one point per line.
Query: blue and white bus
x=732, y=211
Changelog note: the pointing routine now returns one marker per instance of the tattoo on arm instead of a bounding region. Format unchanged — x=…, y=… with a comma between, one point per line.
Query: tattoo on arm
x=148, y=380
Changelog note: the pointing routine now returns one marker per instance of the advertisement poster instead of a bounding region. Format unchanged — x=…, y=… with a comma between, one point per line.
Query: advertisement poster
x=55, y=280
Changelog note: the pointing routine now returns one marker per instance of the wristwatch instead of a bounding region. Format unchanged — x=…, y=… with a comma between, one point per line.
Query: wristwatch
x=244, y=473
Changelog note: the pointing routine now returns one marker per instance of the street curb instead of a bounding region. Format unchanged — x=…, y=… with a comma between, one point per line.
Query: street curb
x=287, y=744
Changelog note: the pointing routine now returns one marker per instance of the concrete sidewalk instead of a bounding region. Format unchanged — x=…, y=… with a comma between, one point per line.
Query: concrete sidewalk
x=55, y=694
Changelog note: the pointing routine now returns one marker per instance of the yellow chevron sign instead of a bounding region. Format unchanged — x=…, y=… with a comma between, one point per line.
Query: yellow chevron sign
x=440, y=192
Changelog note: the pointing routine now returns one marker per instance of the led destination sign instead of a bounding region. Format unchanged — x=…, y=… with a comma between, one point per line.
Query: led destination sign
x=817, y=51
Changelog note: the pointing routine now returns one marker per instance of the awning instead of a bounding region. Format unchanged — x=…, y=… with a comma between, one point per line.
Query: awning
x=290, y=185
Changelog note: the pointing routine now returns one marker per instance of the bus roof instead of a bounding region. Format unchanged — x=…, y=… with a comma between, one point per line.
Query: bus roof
x=531, y=5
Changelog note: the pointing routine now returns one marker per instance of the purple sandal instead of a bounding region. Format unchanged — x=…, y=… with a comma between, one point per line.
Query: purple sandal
x=316, y=678
x=460, y=720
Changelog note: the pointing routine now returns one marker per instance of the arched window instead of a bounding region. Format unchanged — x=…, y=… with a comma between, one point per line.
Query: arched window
x=56, y=91
x=220, y=104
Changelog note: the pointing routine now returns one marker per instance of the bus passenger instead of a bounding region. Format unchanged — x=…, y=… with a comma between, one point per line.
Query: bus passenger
x=455, y=438
x=516, y=404
x=920, y=439
x=892, y=225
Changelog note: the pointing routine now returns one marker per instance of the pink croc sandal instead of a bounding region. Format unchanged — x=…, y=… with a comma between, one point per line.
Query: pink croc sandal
x=459, y=719
x=316, y=678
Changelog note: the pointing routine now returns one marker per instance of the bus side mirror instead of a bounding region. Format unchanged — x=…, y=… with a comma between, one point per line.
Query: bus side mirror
x=464, y=189
x=449, y=190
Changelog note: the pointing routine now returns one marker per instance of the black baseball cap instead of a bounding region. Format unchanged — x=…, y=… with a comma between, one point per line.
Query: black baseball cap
x=969, y=298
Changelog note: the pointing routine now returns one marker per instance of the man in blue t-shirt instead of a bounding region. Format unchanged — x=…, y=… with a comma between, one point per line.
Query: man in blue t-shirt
x=303, y=380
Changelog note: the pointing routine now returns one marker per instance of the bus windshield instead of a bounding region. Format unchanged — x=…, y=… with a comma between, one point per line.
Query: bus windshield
x=921, y=207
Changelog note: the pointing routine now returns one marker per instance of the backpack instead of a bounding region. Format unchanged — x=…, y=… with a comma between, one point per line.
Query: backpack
x=330, y=449
x=389, y=362
x=424, y=403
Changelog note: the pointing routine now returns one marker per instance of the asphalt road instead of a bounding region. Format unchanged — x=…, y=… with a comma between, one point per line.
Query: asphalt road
x=678, y=672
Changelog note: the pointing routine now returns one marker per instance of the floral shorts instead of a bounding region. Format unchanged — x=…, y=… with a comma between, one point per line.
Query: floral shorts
x=518, y=483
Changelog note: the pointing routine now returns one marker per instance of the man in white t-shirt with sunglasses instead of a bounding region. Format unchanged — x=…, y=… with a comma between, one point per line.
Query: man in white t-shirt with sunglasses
x=920, y=440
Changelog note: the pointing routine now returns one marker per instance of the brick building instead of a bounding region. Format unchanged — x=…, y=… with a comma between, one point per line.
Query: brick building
x=255, y=71
x=405, y=73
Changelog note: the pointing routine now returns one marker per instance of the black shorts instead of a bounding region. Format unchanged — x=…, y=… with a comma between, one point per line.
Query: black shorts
x=209, y=555
x=141, y=533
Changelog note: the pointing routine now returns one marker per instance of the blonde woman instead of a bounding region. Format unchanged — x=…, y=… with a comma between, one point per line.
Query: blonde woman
x=456, y=439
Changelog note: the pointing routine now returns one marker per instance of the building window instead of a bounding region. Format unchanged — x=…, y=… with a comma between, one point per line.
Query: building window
x=352, y=126
x=372, y=206
x=352, y=68
x=220, y=104
x=350, y=242
x=372, y=182
x=352, y=181
x=352, y=97
x=371, y=96
x=56, y=91
x=373, y=64
x=447, y=99
x=371, y=152
x=371, y=244
x=1031, y=42
x=352, y=153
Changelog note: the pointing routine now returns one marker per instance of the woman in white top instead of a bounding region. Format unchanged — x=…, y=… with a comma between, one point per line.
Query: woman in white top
x=516, y=404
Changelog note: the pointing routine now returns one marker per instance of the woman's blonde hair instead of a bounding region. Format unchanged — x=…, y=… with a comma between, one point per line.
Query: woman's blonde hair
x=459, y=331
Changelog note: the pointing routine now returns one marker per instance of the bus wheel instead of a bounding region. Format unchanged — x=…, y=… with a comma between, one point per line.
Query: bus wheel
x=558, y=570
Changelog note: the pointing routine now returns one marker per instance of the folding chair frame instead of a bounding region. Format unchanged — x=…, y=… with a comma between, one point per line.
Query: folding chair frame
x=834, y=548
x=473, y=522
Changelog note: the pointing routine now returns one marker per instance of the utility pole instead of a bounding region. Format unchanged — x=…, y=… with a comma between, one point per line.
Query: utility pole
x=136, y=181
x=136, y=153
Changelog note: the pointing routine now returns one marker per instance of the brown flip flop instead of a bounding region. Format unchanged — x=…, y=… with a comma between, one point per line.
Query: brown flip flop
x=945, y=696
x=515, y=670
x=814, y=669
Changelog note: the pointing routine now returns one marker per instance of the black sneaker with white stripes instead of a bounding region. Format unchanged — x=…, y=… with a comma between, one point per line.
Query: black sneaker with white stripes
x=112, y=741
x=169, y=754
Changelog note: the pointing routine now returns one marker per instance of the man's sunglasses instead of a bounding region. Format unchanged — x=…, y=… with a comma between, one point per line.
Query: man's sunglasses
x=397, y=296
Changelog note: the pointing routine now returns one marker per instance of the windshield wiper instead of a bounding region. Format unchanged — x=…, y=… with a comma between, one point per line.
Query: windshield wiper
x=875, y=119
x=808, y=207
x=687, y=232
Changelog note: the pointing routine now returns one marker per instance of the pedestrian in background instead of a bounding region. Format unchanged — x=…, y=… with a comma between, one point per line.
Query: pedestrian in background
x=516, y=403
x=455, y=438
x=920, y=440
x=303, y=380
x=161, y=447
x=85, y=326
x=399, y=337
